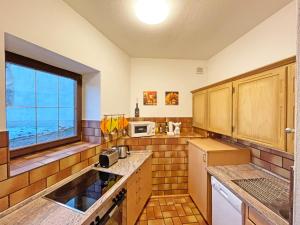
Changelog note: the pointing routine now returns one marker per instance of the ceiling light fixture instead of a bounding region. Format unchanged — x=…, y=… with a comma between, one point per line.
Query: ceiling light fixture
x=152, y=11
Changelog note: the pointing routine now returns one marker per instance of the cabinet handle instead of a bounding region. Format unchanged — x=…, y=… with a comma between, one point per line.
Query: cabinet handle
x=289, y=130
x=204, y=157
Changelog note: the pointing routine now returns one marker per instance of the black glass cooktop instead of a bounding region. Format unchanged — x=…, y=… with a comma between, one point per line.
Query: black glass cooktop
x=82, y=192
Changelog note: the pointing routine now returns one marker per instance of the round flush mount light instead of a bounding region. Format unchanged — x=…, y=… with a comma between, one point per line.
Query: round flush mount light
x=152, y=11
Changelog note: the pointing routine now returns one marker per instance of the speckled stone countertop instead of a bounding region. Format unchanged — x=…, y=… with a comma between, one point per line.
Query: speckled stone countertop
x=38, y=210
x=225, y=174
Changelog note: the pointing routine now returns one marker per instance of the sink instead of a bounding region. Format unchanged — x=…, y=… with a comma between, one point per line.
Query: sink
x=269, y=191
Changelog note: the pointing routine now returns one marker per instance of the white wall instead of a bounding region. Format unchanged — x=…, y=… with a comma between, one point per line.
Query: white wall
x=271, y=41
x=53, y=25
x=164, y=75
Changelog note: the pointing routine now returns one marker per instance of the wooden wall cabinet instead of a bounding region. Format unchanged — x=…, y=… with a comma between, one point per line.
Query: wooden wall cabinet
x=219, y=109
x=208, y=152
x=139, y=188
x=259, y=108
x=200, y=109
x=290, y=120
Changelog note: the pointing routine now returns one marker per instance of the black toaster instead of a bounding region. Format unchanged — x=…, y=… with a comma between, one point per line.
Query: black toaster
x=108, y=158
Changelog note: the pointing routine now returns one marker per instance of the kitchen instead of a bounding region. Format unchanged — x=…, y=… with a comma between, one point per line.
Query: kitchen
x=117, y=116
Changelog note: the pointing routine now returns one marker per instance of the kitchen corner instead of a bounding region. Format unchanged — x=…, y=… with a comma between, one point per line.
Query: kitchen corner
x=39, y=210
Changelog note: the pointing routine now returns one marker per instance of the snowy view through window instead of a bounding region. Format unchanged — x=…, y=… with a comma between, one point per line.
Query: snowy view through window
x=40, y=106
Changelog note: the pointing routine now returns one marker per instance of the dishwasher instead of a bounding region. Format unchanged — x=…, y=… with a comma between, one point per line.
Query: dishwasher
x=226, y=207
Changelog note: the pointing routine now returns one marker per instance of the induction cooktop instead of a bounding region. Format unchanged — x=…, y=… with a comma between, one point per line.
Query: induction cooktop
x=82, y=192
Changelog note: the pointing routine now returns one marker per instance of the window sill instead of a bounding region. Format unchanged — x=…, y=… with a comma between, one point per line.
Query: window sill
x=29, y=162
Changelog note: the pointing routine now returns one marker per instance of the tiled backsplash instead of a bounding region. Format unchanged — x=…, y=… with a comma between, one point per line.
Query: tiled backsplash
x=169, y=162
x=273, y=160
x=4, y=167
x=91, y=131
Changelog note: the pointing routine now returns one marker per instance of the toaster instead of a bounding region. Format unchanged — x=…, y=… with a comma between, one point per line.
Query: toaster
x=108, y=158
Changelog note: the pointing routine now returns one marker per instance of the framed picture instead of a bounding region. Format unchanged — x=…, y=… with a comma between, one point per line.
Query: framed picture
x=150, y=98
x=172, y=98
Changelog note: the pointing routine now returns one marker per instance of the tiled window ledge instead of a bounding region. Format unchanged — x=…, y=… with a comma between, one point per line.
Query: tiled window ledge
x=30, y=162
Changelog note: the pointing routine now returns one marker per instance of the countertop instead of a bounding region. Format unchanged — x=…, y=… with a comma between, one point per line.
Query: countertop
x=225, y=174
x=39, y=210
x=209, y=144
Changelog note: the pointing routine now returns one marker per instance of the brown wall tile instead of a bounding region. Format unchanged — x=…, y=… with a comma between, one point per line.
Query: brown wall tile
x=55, y=178
x=3, y=139
x=43, y=172
x=280, y=171
x=80, y=166
x=3, y=172
x=261, y=163
x=274, y=159
x=88, y=154
x=287, y=163
x=26, y=192
x=69, y=161
x=3, y=155
x=94, y=159
x=3, y=203
x=13, y=184
x=158, y=141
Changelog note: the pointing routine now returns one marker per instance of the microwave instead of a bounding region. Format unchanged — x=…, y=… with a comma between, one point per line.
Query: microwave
x=141, y=128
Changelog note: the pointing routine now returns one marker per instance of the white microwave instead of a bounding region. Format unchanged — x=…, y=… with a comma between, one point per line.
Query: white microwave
x=141, y=128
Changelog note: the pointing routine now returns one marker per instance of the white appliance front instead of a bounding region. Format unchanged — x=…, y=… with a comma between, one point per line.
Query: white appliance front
x=226, y=207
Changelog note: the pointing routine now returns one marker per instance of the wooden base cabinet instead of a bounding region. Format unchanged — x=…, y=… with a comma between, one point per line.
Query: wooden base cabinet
x=139, y=188
x=253, y=218
x=209, y=152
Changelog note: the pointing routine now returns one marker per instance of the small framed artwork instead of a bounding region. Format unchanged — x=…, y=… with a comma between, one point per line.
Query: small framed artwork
x=172, y=98
x=150, y=98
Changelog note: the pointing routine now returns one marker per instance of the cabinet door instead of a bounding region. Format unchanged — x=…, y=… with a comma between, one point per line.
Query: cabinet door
x=204, y=187
x=145, y=175
x=200, y=109
x=259, y=108
x=132, y=200
x=194, y=168
x=219, y=101
x=196, y=184
x=290, y=120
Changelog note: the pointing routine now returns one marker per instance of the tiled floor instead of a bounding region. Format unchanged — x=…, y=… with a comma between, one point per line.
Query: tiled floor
x=175, y=210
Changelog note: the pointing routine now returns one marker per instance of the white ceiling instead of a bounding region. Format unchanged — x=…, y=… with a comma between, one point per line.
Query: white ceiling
x=195, y=29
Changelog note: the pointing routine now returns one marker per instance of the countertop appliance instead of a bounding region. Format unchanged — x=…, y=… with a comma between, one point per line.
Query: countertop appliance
x=123, y=150
x=141, y=128
x=82, y=192
x=108, y=157
x=226, y=207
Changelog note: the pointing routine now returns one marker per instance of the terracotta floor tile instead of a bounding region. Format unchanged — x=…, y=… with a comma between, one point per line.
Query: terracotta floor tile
x=176, y=221
x=169, y=214
x=173, y=210
x=143, y=217
x=165, y=208
x=150, y=213
x=168, y=221
x=156, y=222
x=157, y=212
x=162, y=201
x=188, y=211
x=195, y=211
x=188, y=219
x=180, y=210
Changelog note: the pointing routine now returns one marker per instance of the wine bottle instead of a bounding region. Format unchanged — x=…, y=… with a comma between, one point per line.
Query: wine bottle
x=137, y=110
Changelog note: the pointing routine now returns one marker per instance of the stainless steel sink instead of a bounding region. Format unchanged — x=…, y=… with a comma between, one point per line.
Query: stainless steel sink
x=271, y=192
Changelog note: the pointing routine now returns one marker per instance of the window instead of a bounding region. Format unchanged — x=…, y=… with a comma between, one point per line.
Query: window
x=42, y=104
